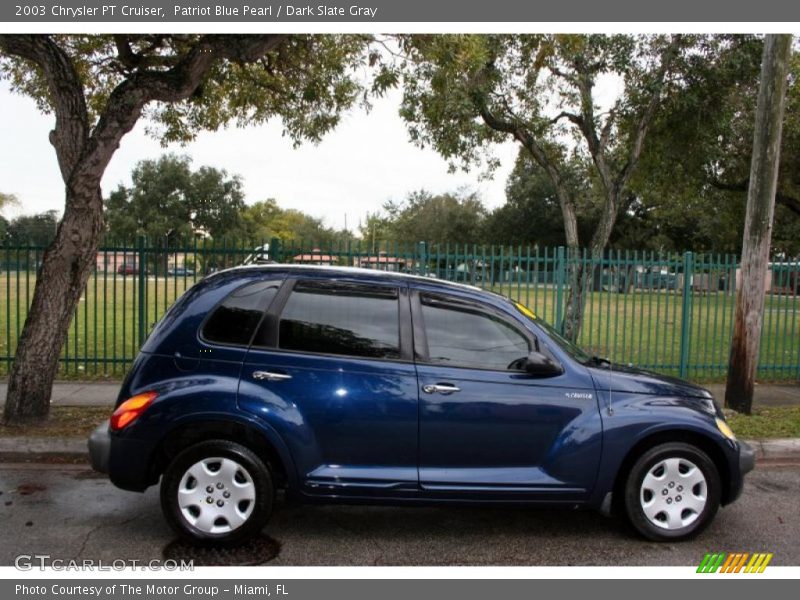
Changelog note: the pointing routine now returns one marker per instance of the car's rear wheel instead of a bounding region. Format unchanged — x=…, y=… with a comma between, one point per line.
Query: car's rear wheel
x=672, y=492
x=217, y=491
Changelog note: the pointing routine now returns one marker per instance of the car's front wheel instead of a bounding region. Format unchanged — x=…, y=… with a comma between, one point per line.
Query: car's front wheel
x=218, y=491
x=672, y=492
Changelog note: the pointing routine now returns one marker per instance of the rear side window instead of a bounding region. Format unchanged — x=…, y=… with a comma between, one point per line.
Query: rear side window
x=339, y=318
x=235, y=320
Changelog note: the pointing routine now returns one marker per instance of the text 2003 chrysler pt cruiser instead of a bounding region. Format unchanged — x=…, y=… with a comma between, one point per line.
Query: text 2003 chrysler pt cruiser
x=349, y=385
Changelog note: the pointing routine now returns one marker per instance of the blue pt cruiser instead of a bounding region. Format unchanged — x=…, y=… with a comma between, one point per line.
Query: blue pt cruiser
x=350, y=385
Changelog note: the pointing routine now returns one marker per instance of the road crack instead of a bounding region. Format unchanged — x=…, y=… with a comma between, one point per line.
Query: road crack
x=94, y=530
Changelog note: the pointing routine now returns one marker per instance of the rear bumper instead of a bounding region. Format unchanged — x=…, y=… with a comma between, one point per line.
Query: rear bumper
x=125, y=461
x=100, y=447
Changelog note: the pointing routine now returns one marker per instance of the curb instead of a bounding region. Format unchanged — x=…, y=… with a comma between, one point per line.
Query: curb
x=776, y=449
x=767, y=450
x=44, y=446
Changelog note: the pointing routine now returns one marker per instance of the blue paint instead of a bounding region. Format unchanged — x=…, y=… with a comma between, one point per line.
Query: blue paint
x=363, y=430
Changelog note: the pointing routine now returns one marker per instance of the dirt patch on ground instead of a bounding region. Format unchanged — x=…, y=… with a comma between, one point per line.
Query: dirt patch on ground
x=64, y=421
x=27, y=489
x=26, y=458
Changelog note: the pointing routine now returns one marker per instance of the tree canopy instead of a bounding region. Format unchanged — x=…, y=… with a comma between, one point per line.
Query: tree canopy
x=695, y=169
x=189, y=83
x=463, y=92
x=422, y=216
x=265, y=220
x=168, y=199
x=34, y=230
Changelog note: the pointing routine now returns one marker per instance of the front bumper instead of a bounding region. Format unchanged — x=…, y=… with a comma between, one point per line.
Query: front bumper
x=746, y=462
x=100, y=447
x=747, y=458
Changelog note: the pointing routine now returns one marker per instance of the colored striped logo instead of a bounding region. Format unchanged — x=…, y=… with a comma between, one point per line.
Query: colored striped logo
x=735, y=562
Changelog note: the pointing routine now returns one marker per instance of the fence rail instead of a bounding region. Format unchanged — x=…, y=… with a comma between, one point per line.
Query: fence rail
x=666, y=312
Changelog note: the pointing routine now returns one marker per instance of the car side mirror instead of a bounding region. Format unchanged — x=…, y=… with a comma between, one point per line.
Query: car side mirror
x=541, y=365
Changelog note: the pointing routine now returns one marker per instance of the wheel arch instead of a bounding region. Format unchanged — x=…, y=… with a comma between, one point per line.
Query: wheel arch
x=688, y=436
x=248, y=434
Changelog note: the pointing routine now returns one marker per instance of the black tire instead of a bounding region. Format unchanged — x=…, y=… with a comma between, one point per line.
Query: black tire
x=634, y=496
x=250, y=465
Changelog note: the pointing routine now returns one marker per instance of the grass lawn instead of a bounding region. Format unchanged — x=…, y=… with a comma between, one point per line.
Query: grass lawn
x=771, y=422
x=103, y=338
x=643, y=327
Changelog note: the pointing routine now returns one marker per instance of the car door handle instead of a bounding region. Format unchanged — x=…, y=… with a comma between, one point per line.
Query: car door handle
x=440, y=388
x=270, y=376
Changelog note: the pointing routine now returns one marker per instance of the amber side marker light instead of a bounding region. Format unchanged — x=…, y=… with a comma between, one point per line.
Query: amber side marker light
x=129, y=411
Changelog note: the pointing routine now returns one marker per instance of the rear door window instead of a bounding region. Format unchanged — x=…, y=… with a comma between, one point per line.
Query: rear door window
x=347, y=319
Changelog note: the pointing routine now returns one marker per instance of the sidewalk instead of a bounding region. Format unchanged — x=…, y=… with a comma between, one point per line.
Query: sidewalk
x=104, y=393
x=78, y=393
x=766, y=394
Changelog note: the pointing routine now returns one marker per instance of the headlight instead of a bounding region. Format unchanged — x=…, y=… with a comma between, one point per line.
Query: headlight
x=725, y=429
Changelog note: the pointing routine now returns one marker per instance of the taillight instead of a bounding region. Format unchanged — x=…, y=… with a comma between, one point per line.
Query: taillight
x=129, y=411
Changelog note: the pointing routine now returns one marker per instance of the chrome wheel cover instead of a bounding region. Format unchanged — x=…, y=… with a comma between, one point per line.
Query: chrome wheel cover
x=674, y=493
x=216, y=495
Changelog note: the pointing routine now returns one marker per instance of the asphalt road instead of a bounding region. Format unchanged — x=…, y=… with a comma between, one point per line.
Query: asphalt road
x=72, y=513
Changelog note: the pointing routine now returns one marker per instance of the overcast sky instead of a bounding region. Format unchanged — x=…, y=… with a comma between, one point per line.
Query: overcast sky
x=367, y=160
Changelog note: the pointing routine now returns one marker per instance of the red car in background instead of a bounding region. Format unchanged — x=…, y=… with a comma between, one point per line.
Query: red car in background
x=128, y=269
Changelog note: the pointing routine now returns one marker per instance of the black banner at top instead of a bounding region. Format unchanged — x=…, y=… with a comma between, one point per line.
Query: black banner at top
x=395, y=11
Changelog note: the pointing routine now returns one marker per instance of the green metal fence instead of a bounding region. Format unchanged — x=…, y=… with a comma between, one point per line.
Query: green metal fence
x=670, y=313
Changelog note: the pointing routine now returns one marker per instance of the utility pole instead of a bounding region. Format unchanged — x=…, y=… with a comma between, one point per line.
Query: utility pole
x=749, y=316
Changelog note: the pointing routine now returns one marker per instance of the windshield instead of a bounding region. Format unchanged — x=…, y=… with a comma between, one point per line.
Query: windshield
x=570, y=348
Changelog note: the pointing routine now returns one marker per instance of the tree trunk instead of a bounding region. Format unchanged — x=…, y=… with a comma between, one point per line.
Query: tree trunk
x=749, y=314
x=59, y=284
x=576, y=272
x=581, y=276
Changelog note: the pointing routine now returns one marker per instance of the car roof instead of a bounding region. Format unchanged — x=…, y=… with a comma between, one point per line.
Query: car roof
x=358, y=272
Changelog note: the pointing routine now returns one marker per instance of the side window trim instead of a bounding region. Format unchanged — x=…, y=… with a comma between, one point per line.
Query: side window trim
x=418, y=328
x=268, y=326
x=421, y=352
x=406, y=325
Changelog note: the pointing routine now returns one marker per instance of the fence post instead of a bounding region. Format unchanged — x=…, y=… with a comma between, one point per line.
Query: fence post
x=560, y=277
x=142, y=287
x=686, y=313
x=423, y=258
x=275, y=250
